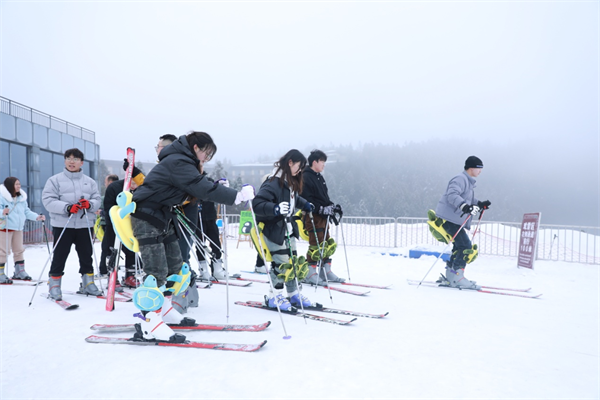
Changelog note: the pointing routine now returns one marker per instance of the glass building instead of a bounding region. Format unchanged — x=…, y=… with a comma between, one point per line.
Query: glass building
x=32, y=146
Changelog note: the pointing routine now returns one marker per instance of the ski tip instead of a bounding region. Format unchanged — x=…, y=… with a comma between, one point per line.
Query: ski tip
x=268, y=324
x=72, y=307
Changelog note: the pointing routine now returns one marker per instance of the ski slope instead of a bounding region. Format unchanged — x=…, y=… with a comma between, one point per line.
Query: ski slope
x=435, y=343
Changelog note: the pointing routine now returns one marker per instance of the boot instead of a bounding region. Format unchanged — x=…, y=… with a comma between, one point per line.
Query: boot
x=131, y=282
x=204, y=271
x=218, y=271
x=260, y=269
x=20, y=273
x=3, y=277
x=331, y=277
x=278, y=299
x=171, y=316
x=298, y=300
x=180, y=303
x=54, y=287
x=153, y=327
x=456, y=279
x=87, y=285
x=313, y=277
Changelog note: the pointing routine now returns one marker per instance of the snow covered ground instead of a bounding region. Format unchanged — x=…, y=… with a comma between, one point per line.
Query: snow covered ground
x=435, y=343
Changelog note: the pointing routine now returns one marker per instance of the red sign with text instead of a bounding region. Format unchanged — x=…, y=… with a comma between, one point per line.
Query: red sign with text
x=528, y=241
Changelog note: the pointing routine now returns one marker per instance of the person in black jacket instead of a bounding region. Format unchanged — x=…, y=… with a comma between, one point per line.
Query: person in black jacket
x=173, y=180
x=274, y=206
x=108, y=241
x=315, y=191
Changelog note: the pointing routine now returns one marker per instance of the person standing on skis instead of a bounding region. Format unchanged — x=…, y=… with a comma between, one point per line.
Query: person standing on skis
x=315, y=191
x=274, y=207
x=458, y=204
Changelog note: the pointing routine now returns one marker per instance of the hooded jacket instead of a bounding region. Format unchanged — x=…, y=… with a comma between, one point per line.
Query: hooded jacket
x=172, y=181
x=315, y=189
x=18, y=210
x=66, y=188
x=460, y=190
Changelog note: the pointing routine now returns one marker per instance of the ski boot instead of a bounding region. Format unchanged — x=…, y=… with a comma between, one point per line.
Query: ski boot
x=192, y=291
x=260, y=269
x=170, y=315
x=54, y=287
x=153, y=328
x=131, y=282
x=456, y=279
x=218, y=271
x=279, y=300
x=87, y=286
x=204, y=272
x=20, y=273
x=3, y=277
x=331, y=277
x=298, y=300
x=313, y=277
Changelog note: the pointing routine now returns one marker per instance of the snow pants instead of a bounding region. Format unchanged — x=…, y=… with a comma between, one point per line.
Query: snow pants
x=460, y=244
x=320, y=226
x=280, y=255
x=83, y=246
x=15, y=242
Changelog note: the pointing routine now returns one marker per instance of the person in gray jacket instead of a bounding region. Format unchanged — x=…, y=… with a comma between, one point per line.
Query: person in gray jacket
x=456, y=205
x=69, y=196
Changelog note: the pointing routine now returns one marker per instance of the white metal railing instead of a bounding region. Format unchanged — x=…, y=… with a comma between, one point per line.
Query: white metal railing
x=579, y=244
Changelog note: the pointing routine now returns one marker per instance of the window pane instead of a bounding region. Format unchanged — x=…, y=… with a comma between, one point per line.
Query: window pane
x=18, y=163
x=4, y=159
x=45, y=166
x=58, y=161
x=67, y=142
x=40, y=136
x=90, y=151
x=80, y=144
x=7, y=127
x=55, y=140
x=24, y=131
x=86, y=168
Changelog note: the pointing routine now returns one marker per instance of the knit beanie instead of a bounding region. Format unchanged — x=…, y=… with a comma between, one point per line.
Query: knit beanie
x=473, y=162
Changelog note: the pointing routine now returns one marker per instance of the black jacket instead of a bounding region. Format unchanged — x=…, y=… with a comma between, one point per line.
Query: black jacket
x=173, y=180
x=315, y=189
x=270, y=195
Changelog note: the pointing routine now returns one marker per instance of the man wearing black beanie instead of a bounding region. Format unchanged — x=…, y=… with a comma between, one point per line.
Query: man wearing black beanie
x=457, y=205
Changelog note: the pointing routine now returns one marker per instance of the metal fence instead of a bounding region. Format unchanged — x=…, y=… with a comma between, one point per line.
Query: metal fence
x=21, y=111
x=579, y=244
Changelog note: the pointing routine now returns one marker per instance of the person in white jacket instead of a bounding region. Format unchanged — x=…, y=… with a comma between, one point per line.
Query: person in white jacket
x=69, y=197
x=15, y=211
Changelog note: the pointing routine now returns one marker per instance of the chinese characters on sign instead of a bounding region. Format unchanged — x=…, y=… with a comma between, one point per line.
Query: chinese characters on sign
x=528, y=241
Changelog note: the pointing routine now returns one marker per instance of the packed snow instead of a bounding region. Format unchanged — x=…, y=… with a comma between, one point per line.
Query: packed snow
x=435, y=343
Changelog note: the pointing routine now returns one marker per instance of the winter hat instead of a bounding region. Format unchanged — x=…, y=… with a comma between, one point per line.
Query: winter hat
x=473, y=162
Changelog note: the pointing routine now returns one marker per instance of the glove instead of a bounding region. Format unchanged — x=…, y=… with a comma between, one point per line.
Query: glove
x=224, y=182
x=282, y=208
x=136, y=171
x=326, y=210
x=484, y=205
x=469, y=209
x=338, y=209
x=246, y=194
x=308, y=207
x=73, y=208
x=84, y=204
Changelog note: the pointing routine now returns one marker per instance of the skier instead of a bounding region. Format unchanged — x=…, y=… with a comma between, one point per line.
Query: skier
x=68, y=196
x=168, y=185
x=457, y=204
x=274, y=206
x=13, y=213
x=315, y=191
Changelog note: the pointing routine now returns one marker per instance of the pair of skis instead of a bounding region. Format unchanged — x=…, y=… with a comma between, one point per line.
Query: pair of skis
x=484, y=289
x=187, y=343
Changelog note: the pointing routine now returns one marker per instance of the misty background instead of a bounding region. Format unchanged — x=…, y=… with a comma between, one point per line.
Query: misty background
x=402, y=92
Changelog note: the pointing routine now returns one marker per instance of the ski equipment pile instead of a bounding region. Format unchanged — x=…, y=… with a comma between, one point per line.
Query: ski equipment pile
x=197, y=327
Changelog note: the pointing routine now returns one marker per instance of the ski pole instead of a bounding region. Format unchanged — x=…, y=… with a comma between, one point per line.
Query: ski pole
x=264, y=256
x=46, y=236
x=321, y=252
x=93, y=249
x=477, y=227
x=224, y=255
x=50, y=256
x=7, y=249
x=344, y=243
x=289, y=244
x=445, y=248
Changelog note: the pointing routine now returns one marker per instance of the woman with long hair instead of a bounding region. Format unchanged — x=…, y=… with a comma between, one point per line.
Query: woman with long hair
x=274, y=206
x=14, y=212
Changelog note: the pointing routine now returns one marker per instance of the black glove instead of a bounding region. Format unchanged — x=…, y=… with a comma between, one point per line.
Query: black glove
x=136, y=171
x=484, y=205
x=326, y=210
x=469, y=209
x=308, y=207
x=338, y=209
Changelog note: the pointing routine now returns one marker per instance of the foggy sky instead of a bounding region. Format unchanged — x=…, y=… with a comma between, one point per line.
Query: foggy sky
x=265, y=77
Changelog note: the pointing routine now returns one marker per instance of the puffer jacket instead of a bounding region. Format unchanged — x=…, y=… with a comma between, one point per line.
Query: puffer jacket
x=19, y=210
x=66, y=188
x=172, y=181
x=460, y=190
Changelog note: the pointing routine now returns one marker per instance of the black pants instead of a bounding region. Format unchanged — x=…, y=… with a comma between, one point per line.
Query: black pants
x=83, y=246
x=108, y=241
x=461, y=243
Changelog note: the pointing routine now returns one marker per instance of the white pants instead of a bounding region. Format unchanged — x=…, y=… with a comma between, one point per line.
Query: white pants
x=15, y=242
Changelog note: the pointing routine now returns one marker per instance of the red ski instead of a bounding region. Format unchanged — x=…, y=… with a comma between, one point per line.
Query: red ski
x=187, y=343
